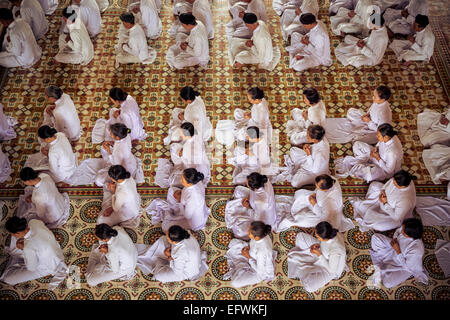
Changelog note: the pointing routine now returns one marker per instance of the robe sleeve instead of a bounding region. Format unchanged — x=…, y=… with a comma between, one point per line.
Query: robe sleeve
x=194, y=47
x=333, y=262
x=75, y=41
x=398, y=212
x=178, y=261
x=31, y=258
x=190, y=206
x=388, y=164
x=131, y=47
x=262, y=263
x=315, y=161
x=114, y=263
x=411, y=259
x=425, y=48
x=15, y=45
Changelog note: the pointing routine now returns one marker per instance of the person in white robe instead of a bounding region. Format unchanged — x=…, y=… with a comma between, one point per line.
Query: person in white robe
x=194, y=112
x=175, y=256
x=317, y=260
x=434, y=127
x=132, y=46
x=315, y=114
x=254, y=202
x=401, y=21
x=310, y=50
x=360, y=125
x=189, y=50
x=307, y=208
x=42, y=200
x=418, y=47
x=352, y=21
x=121, y=203
x=364, y=52
x=75, y=47
x=31, y=11
x=335, y=5
x=48, y=6
x=433, y=211
x=311, y=160
x=114, y=257
x=200, y=9
x=386, y=205
x=62, y=113
x=89, y=14
x=253, y=262
x=392, y=4
x=400, y=257
x=5, y=166
x=146, y=14
x=19, y=48
x=34, y=253
x=437, y=161
x=442, y=252
x=236, y=27
x=102, y=5
x=7, y=124
x=292, y=11
x=259, y=50
x=373, y=163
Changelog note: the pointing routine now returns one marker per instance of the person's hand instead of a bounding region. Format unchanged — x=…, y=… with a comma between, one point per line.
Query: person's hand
x=67, y=38
x=312, y=199
x=20, y=243
x=246, y=202
x=50, y=109
x=241, y=14
x=361, y=43
x=108, y=212
x=177, y=195
x=180, y=153
x=103, y=248
x=374, y=154
x=28, y=198
x=181, y=116
x=299, y=57
x=444, y=120
x=106, y=145
x=183, y=45
x=8, y=39
x=136, y=9
x=249, y=43
x=44, y=151
x=246, y=252
x=365, y=118
x=382, y=197
x=112, y=187
x=411, y=38
x=405, y=13
x=168, y=252
x=247, y=115
x=305, y=40
x=307, y=149
x=351, y=14
x=395, y=246
x=315, y=249
x=116, y=114
x=298, y=11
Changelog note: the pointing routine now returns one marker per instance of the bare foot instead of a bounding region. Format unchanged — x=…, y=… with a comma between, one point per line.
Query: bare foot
x=62, y=185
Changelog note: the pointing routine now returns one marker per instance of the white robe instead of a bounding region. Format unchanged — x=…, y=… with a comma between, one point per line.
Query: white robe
x=22, y=50
x=31, y=11
x=48, y=6
x=421, y=50
x=363, y=166
x=201, y=9
x=430, y=130
x=315, y=272
x=433, y=211
x=5, y=167
x=260, y=117
x=195, y=210
x=371, y=213
x=90, y=16
x=65, y=118
x=118, y=263
x=290, y=21
x=297, y=127
x=442, y=253
x=133, y=47
x=341, y=23
x=336, y=4
x=148, y=17
x=399, y=24
x=188, y=260
x=396, y=268
x=7, y=124
x=260, y=267
x=348, y=53
x=79, y=49
x=236, y=27
x=262, y=53
x=40, y=257
x=437, y=162
x=102, y=5
x=386, y=4
x=47, y=203
x=62, y=161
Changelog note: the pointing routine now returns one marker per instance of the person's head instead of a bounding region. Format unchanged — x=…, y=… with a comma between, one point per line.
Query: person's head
x=6, y=17
x=402, y=179
x=308, y=20
x=253, y=134
x=188, y=21
x=117, y=95
x=69, y=15
x=119, y=131
x=412, y=228
x=255, y=95
x=258, y=230
x=256, y=180
x=420, y=23
x=53, y=93
x=385, y=132
x=315, y=133
x=311, y=96
x=324, y=182
x=18, y=227
x=376, y=21
x=250, y=20
x=191, y=176
x=118, y=173
x=46, y=133
x=104, y=232
x=176, y=234
x=188, y=94
x=381, y=94
x=187, y=130
x=16, y=3
x=29, y=176
x=325, y=231
x=127, y=19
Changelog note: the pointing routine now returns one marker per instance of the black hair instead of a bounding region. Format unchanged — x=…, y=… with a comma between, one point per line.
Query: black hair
x=253, y=132
x=260, y=229
x=188, y=129
x=384, y=92
x=193, y=176
x=377, y=19
x=187, y=18
x=387, y=130
x=316, y=131
x=312, y=95
x=69, y=13
x=177, y=233
x=250, y=18
x=422, y=20
x=45, y=132
x=413, y=228
x=325, y=230
x=27, y=174
x=189, y=93
x=403, y=178
x=6, y=14
x=119, y=130
x=307, y=18
x=256, y=93
x=54, y=92
x=256, y=180
x=127, y=17
x=16, y=224
x=104, y=231
x=118, y=94
x=325, y=181
x=118, y=172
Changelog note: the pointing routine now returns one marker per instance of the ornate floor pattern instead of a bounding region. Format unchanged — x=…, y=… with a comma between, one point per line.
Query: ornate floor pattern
x=156, y=88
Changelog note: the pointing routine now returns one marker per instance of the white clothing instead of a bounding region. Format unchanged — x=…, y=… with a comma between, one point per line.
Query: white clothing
x=433, y=211
x=133, y=47
x=48, y=6
x=430, y=130
x=7, y=124
x=102, y=5
x=442, y=253
x=260, y=117
x=336, y=4
x=421, y=50
x=236, y=27
x=148, y=17
x=90, y=16
x=5, y=167
x=290, y=21
x=341, y=23
x=437, y=162
x=62, y=161
x=31, y=11
x=201, y=10
x=65, y=118
x=195, y=210
x=297, y=127
x=79, y=49
x=401, y=25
